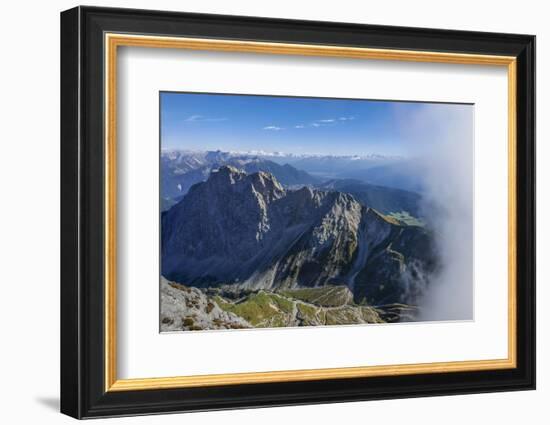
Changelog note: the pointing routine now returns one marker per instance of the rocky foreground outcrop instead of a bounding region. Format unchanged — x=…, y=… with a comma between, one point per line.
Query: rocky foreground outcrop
x=183, y=308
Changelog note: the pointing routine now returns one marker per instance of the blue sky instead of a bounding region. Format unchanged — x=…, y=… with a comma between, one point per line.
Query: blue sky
x=295, y=125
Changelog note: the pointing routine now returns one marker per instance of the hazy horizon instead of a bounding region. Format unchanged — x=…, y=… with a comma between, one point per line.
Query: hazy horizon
x=262, y=152
x=298, y=125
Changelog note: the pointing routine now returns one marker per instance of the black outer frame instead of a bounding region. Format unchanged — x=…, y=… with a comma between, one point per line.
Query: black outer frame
x=82, y=219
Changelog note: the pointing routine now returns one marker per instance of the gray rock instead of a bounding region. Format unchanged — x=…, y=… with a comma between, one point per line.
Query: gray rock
x=248, y=230
x=183, y=308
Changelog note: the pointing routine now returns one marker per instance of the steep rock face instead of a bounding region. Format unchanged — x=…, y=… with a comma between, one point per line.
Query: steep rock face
x=220, y=226
x=398, y=269
x=247, y=230
x=384, y=199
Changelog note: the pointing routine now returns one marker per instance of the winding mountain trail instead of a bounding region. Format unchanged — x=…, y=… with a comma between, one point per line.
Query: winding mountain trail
x=250, y=233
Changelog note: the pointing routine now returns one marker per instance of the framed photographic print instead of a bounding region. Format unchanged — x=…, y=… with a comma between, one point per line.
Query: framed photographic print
x=261, y=212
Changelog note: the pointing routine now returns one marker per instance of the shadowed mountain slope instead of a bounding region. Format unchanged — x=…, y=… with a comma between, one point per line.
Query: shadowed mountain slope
x=247, y=230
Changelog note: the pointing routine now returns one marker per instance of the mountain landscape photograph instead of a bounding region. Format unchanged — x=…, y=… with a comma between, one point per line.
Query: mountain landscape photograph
x=279, y=211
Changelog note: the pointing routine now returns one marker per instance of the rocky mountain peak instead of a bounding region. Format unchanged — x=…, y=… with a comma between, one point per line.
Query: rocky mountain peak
x=266, y=184
x=247, y=230
x=260, y=184
x=227, y=173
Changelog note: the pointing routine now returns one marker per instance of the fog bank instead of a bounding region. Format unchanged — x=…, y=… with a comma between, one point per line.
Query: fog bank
x=441, y=139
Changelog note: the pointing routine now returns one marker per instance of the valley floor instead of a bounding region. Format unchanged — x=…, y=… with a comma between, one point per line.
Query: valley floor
x=189, y=308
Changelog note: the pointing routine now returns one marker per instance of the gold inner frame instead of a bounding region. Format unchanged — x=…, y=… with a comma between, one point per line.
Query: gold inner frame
x=113, y=41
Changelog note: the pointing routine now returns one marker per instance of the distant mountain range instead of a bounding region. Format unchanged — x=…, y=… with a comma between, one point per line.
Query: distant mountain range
x=284, y=156
x=390, y=171
x=405, y=175
x=248, y=230
x=379, y=183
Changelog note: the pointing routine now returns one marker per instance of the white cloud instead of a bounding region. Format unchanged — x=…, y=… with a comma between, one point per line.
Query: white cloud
x=193, y=118
x=442, y=137
x=314, y=124
x=324, y=122
x=200, y=118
